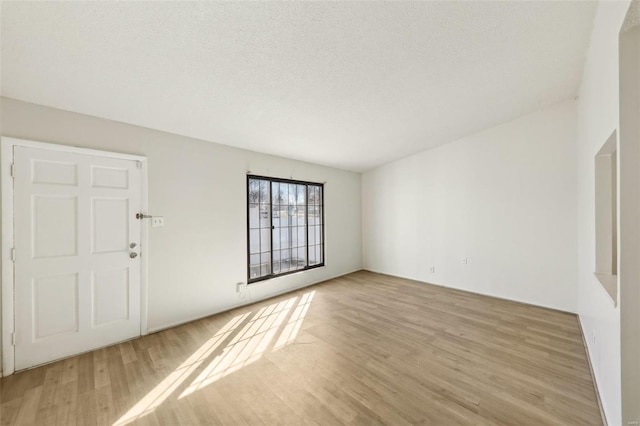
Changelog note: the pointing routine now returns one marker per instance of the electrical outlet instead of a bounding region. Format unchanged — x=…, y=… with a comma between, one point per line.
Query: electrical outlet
x=465, y=260
x=157, y=221
x=433, y=269
x=241, y=287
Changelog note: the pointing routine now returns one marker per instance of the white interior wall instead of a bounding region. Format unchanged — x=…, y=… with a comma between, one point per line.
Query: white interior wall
x=630, y=214
x=199, y=187
x=598, y=117
x=504, y=198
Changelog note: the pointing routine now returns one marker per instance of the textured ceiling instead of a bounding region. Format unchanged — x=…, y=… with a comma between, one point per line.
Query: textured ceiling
x=345, y=84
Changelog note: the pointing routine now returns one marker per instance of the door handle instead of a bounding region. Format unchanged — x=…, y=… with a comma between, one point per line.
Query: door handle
x=133, y=255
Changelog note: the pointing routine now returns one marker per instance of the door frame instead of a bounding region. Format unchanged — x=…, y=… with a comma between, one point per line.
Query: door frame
x=7, y=145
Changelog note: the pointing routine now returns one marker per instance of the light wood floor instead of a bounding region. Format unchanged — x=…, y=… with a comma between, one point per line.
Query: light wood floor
x=361, y=349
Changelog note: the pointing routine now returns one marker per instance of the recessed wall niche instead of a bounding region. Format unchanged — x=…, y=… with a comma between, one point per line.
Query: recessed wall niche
x=606, y=187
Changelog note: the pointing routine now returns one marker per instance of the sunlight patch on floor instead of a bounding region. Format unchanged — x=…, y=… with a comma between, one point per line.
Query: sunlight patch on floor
x=246, y=347
x=165, y=388
x=292, y=328
x=243, y=348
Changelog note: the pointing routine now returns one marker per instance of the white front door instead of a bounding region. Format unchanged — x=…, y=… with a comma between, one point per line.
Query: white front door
x=77, y=258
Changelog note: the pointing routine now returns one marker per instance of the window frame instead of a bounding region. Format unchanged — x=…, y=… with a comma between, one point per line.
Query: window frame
x=322, y=226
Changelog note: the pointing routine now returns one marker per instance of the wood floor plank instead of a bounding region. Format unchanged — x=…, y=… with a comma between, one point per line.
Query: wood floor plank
x=9, y=411
x=362, y=349
x=27, y=413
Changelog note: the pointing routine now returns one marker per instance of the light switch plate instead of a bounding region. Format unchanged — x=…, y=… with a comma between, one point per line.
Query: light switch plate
x=157, y=221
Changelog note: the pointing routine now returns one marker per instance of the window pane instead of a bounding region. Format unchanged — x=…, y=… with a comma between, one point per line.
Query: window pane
x=316, y=254
x=264, y=216
x=254, y=271
x=265, y=264
x=294, y=236
x=275, y=190
x=276, y=261
x=284, y=238
x=254, y=215
x=302, y=215
x=254, y=266
x=310, y=194
x=254, y=191
x=264, y=192
x=301, y=193
x=313, y=195
x=276, y=238
x=292, y=194
x=294, y=259
x=312, y=238
x=285, y=258
x=254, y=241
x=302, y=256
x=312, y=255
x=320, y=207
x=313, y=208
x=291, y=211
x=265, y=240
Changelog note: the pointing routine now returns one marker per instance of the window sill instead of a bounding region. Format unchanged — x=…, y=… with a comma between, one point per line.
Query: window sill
x=610, y=284
x=273, y=277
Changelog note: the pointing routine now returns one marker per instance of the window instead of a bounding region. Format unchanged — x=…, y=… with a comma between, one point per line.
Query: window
x=285, y=220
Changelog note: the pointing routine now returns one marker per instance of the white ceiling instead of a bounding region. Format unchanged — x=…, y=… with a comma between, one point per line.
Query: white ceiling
x=345, y=84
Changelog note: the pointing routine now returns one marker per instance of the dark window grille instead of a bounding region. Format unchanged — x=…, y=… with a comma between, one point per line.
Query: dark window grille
x=285, y=227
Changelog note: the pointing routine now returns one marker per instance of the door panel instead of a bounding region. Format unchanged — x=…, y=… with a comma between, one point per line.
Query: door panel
x=110, y=296
x=54, y=172
x=108, y=177
x=76, y=286
x=110, y=224
x=55, y=226
x=55, y=305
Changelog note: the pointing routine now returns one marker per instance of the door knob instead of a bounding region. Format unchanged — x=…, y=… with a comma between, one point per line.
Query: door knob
x=133, y=255
x=132, y=245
